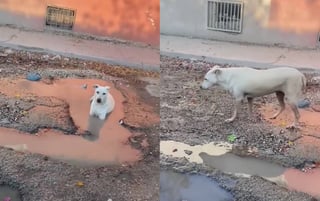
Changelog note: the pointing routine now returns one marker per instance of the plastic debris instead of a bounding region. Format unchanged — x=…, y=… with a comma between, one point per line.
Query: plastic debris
x=56, y=57
x=121, y=122
x=232, y=138
x=79, y=184
x=7, y=199
x=84, y=86
x=8, y=51
x=290, y=143
x=303, y=103
x=33, y=76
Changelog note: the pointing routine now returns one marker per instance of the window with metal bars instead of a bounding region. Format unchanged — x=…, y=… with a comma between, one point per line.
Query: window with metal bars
x=60, y=17
x=225, y=15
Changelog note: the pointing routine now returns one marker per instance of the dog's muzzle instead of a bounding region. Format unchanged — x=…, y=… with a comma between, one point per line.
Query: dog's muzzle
x=99, y=100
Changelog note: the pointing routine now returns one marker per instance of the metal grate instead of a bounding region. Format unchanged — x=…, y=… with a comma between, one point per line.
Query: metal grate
x=60, y=17
x=225, y=15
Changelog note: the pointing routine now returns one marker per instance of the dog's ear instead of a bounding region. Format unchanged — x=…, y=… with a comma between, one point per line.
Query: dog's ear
x=216, y=71
x=95, y=86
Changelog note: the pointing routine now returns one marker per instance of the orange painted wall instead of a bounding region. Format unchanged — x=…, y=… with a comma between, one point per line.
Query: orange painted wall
x=299, y=16
x=136, y=20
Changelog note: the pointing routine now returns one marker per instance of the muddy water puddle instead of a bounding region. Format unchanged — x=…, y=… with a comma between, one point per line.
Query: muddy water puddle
x=178, y=187
x=309, y=119
x=9, y=194
x=107, y=142
x=218, y=156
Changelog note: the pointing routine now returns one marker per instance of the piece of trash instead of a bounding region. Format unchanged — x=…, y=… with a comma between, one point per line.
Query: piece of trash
x=121, y=122
x=84, y=86
x=109, y=199
x=232, y=138
x=8, y=51
x=290, y=143
x=45, y=57
x=283, y=123
x=3, y=55
x=303, y=103
x=17, y=147
x=188, y=152
x=133, y=140
x=79, y=184
x=7, y=199
x=33, y=76
x=56, y=57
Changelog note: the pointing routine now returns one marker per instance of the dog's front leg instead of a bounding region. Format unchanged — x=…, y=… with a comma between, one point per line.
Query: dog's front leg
x=250, y=105
x=235, y=112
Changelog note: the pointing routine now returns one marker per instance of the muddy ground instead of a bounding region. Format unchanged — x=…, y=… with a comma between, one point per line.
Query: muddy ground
x=38, y=177
x=194, y=116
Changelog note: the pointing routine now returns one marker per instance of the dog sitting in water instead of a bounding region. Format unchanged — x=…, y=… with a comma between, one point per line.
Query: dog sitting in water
x=102, y=102
x=248, y=83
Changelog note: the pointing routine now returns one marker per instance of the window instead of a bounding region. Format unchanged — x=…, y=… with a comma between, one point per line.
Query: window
x=60, y=17
x=225, y=15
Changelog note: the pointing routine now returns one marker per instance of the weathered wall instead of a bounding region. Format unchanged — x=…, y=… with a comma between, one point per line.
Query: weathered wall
x=282, y=22
x=136, y=20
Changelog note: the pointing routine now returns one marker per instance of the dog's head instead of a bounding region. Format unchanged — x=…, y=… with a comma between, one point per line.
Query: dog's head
x=211, y=77
x=100, y=94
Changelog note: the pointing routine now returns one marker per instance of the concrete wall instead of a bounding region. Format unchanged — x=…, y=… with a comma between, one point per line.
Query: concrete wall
x=136, y=20
x=271, y=22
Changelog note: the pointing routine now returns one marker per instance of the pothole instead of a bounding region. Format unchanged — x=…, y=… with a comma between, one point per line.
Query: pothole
x=107, y=142
x=177, y=187
x=218, y=156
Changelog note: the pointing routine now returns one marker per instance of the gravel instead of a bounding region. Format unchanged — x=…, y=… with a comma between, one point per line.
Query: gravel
x=41, y=178
x=194, y=116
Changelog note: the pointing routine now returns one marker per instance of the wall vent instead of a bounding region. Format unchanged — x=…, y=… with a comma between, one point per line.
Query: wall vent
x=225, y=15
x=61, y=18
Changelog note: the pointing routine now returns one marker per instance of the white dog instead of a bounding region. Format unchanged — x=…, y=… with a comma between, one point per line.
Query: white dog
x=249, y=83
x=102, y=102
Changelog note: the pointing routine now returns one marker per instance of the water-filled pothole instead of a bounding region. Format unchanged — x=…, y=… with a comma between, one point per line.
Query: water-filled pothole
x=108, y=143
x=177, y=187
x=218, y=156
x=9, y=194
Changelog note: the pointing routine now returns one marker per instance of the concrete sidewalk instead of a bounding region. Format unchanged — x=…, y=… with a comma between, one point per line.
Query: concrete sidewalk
x=239, y=54
x=109, y=52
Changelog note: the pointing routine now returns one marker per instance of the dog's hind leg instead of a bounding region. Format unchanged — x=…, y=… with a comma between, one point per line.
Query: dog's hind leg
x=292, y=101
x=280, y=97
x=296, y=113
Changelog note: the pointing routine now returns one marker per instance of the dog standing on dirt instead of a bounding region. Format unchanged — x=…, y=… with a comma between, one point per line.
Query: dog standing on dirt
x=102, y=102
x=248, y=83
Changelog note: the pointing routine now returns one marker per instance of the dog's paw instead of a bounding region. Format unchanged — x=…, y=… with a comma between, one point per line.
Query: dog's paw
x=101, y=117
x=293, y=127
